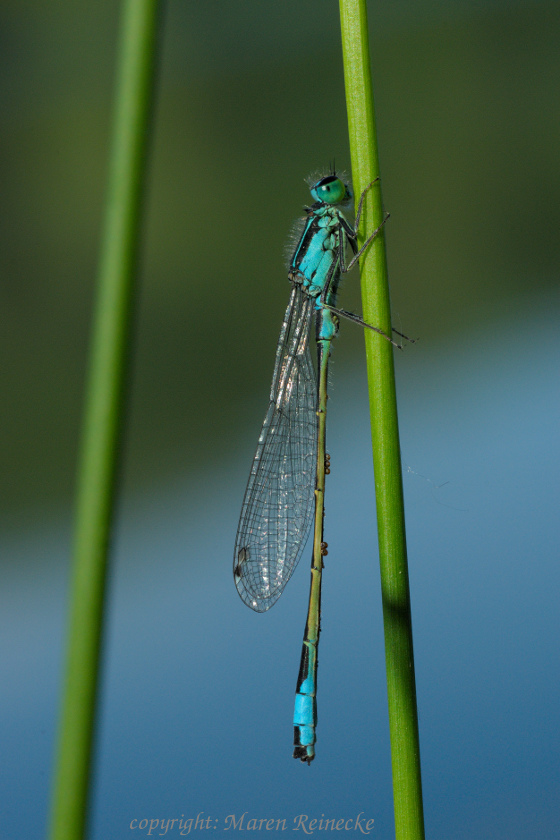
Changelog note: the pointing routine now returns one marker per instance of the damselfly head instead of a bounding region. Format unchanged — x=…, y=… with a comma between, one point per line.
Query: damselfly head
x=331, y=190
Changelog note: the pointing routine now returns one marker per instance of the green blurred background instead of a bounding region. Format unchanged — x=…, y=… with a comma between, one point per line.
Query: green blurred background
x=250, y=101
x=468, y=112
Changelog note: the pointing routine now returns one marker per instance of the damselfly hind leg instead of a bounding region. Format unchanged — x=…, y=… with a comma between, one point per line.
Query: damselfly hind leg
x=406, y=338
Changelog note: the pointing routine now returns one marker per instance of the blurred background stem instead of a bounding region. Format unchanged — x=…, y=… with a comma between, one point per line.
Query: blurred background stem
x=103, y=416
x=403, y=716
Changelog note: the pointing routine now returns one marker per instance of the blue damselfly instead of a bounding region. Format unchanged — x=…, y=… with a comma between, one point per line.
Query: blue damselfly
x=285, y=491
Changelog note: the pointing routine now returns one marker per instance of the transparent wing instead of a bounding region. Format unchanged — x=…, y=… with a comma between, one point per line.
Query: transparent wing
x=278, y=506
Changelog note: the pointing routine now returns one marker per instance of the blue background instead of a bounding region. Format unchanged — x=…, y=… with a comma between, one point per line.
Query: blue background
x=197, y=691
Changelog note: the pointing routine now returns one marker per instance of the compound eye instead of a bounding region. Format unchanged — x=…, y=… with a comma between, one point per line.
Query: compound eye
x=330, y=190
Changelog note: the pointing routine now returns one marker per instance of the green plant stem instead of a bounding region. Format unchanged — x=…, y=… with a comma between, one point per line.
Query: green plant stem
x=401, y=690
x=103, y=415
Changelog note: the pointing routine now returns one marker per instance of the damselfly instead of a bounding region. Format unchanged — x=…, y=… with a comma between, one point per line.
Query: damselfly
x=285, y=491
